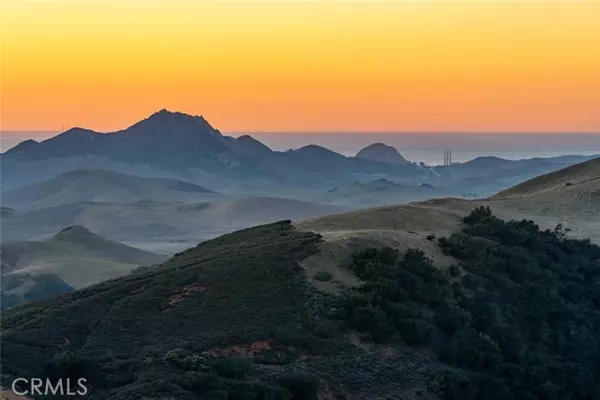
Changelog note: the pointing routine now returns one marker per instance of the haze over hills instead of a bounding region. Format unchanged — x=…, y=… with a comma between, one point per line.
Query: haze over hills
x=71, y=259
x=377, y=192
x=163, y=227
x=102, y=186
x=150, y=184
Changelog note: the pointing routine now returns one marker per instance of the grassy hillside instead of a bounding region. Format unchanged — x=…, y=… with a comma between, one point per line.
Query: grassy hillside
x=548, y=200
x=574, y=175
x=73, y=258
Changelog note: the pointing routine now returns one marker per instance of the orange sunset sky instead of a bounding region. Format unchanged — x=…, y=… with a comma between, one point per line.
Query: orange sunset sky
x=477, y=65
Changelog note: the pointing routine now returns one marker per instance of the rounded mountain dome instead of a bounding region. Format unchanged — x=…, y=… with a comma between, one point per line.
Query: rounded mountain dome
x=380, y=152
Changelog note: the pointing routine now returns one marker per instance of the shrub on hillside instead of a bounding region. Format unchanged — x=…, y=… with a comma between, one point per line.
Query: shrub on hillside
x=516, y=318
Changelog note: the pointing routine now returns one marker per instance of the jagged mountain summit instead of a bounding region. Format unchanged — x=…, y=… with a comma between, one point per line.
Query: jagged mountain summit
x=22, y=146
x=381, y=152
x=165, y=139
x=183, y=144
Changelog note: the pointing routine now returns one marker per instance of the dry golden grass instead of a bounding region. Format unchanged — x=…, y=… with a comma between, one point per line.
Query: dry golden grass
x=579, y=174
x=400, y=227
x=547, y=200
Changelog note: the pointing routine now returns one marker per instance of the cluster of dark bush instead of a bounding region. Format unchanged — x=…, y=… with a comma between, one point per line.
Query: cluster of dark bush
x=187, y=375
x=231, y=378
x=517, y=318
x=147, y=335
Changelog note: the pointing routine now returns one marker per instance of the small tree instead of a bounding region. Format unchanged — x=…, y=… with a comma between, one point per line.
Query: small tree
x=478, y=215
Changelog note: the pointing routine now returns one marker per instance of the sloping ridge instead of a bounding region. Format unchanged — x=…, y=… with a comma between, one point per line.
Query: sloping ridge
x=238, y=289
x=264, y=208
x=101, y=185
x=572, y=176
x=76, y=255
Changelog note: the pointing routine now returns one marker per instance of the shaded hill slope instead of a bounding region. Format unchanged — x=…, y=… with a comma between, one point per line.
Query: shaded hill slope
x=575, y=175
x=160, y=225
x=240, y=295
x=102, y=186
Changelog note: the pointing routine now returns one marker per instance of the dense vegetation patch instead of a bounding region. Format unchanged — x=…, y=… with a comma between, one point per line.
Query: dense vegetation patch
x=517, y=318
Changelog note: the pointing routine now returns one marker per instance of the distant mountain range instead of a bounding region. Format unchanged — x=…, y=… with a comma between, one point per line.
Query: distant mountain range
x=187, y=148
x=178, y=143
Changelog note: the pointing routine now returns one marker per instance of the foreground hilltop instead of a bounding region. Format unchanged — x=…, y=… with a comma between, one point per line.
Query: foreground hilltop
x=239, y=317
x=242, y=294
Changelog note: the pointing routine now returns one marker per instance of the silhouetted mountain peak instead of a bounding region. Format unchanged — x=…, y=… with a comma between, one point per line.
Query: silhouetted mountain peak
x=314, y=149
x=487, y=161
x=22, y=146
x=381, y=152
x=79, y=137
x=249, y=146
x=77, y=131
x=164, y=113
x=249, y=139
x=173, y=126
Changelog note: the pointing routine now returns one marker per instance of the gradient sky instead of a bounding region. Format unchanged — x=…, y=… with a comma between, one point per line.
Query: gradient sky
x=476, y=65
